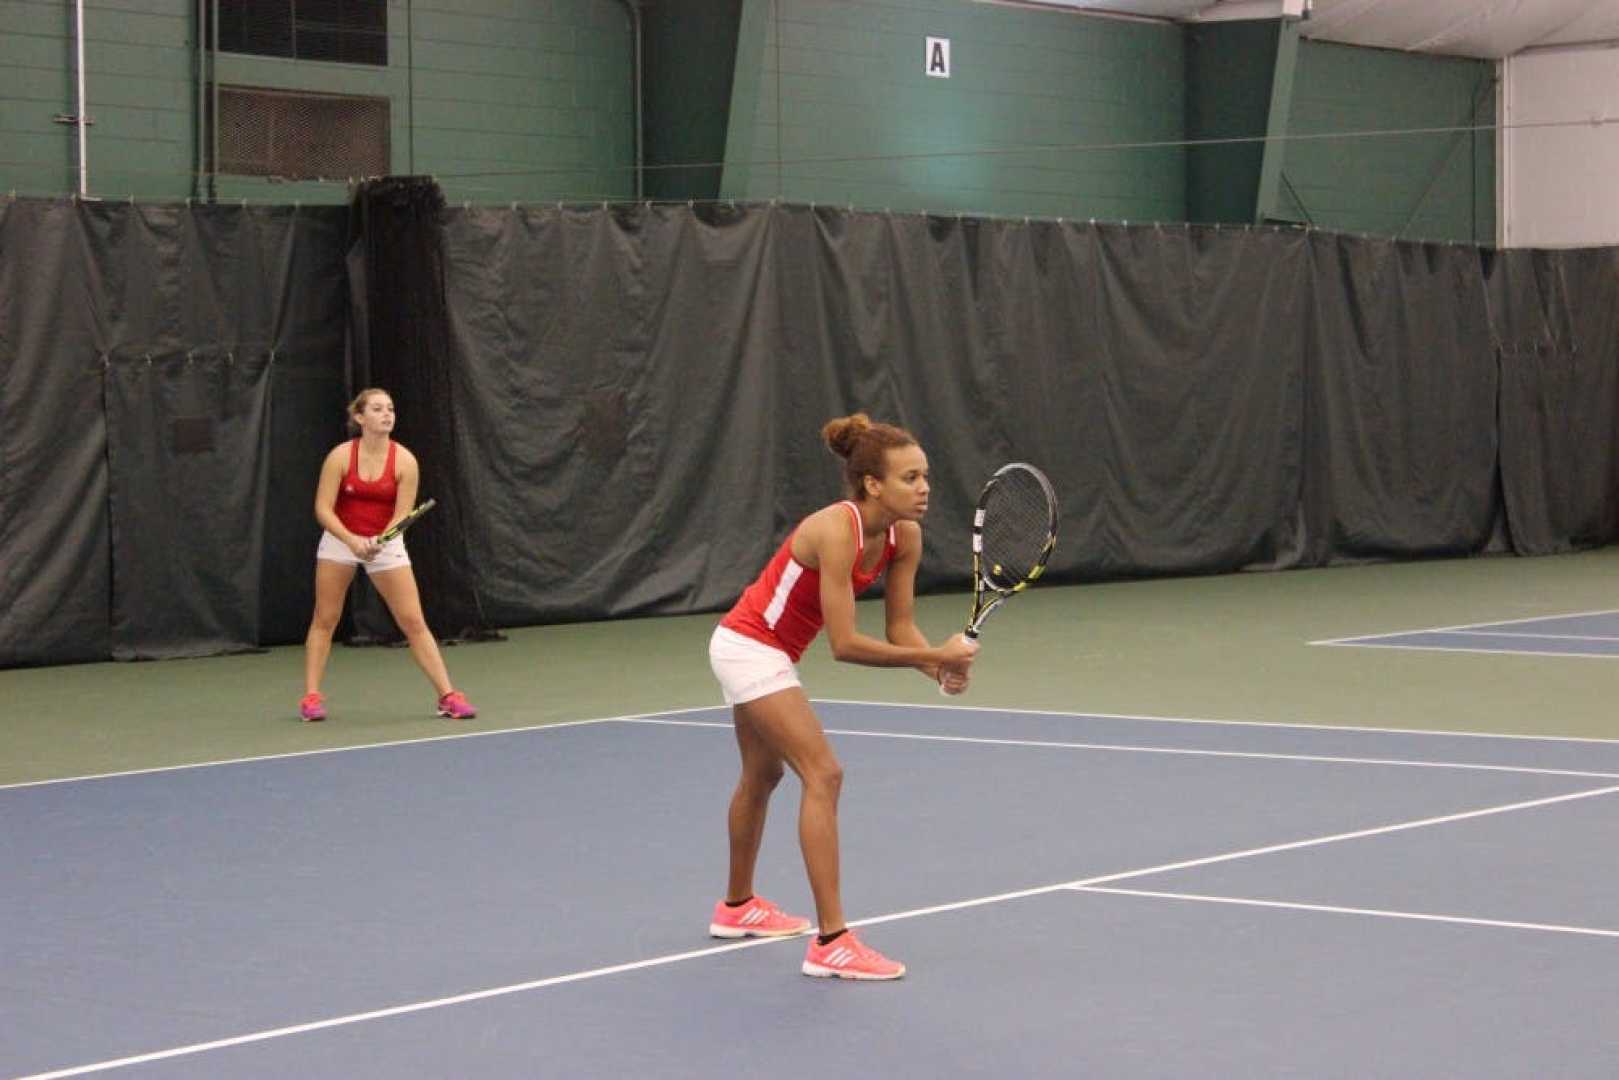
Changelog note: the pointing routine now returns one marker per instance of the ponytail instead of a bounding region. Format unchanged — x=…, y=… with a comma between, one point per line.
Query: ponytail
x=863, y=443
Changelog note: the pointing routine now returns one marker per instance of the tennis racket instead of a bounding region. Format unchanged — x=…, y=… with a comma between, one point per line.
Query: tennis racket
x=1014, y=534
x=407, y=521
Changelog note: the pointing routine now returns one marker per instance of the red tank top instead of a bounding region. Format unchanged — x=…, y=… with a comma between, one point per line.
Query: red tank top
x=782, y=608
x=366, y=506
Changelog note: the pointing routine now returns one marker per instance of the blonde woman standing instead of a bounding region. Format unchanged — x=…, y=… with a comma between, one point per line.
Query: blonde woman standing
x=367, y=484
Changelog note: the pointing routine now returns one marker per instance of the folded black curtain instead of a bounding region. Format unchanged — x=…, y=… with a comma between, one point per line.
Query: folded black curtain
x=402, y=344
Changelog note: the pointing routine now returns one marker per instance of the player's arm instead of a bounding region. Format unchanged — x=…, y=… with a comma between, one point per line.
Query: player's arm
x=408, y=473
x=899, y=593
x=835, y=551
x=331, y=478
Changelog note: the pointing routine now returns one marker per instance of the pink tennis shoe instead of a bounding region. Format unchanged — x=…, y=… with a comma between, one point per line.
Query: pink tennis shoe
x=757, y=918
x=455, y=706
x=847, y=957
x=312, y=707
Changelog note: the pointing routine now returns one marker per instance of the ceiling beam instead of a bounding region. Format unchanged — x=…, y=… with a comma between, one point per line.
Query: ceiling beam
x=1233, y=10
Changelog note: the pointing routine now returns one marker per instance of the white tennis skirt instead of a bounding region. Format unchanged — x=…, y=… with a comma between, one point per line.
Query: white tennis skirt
x=391, y=557
x=748, y=669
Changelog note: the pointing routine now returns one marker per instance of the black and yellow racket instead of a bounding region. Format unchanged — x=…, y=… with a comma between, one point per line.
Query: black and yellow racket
x=1014, y=534
x=407, y=521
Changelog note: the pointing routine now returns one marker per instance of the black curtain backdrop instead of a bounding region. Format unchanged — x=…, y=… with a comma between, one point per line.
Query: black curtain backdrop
x=1399, y=402
x=188, y=463
x=1556, y=335
x=628, y=399
x=651, y=380
x=170, y=377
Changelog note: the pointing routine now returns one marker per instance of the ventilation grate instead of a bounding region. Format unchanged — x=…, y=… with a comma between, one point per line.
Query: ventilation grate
x=293, y=135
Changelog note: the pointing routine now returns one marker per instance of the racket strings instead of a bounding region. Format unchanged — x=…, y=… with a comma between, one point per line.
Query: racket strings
x=1017, y=526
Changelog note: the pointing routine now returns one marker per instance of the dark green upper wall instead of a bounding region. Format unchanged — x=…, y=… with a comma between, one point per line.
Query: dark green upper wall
x=688, y=60
x=1229, y=75
x=1438, y=186
x=831, y=103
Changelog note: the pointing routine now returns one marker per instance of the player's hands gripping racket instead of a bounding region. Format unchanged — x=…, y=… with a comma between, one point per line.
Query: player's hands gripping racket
x=406, y=522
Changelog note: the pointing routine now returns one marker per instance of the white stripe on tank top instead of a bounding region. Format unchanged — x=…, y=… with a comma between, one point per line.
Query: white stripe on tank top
x=794, y=570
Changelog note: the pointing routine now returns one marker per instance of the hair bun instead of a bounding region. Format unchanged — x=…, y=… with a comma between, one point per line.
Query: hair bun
x=842, y=433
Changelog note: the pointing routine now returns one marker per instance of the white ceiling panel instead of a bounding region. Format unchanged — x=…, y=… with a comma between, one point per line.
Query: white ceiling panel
x=1488, y=28
x=1483, y=28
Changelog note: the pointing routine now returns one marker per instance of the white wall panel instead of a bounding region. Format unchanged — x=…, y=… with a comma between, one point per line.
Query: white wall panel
x=1560, y=184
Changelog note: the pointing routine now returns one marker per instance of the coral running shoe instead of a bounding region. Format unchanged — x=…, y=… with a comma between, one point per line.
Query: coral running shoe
x=757, y=918
x=312, y=708
x=847, y=957
x=456, y=706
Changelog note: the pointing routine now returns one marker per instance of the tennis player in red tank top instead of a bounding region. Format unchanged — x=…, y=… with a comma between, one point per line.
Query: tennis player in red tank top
x=367, y=484
x=811, y=582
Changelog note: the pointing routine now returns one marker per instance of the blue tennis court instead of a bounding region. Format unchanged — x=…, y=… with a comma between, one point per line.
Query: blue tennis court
x=1594, y=634
x=1073, y=894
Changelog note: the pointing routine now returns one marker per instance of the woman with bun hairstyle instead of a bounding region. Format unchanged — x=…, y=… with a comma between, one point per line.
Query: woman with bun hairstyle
x=367, y=484
x=833, y=555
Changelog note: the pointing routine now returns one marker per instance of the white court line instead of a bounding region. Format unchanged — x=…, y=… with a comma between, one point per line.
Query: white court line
x=1296, y=726
x=1369, y=644
x=673, y=958
x=346, y=749
x=1467, y=626
x=397, y=1010
x=832, y=701
x=1535, y=637
x=1053, y=744
x=1333, y=909
x=1210, y=860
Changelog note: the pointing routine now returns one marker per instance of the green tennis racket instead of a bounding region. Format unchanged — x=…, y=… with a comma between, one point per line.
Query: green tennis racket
x=407, y=521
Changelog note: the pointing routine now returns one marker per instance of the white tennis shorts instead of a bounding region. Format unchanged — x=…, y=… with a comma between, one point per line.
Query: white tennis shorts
x=391, y=557
x=748, y=669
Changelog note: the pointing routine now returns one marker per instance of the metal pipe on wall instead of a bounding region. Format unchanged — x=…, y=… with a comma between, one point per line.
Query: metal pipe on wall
x=83, y=120
x=213, y=127
x=202, y=99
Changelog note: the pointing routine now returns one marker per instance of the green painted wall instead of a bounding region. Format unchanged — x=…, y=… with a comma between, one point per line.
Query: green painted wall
x=831, y=103
x=688, y=60
x=141, y=92
x=501, y=99
x=804, y=100
x=520, y=99
x=1229, y=68
x=1433, y=186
